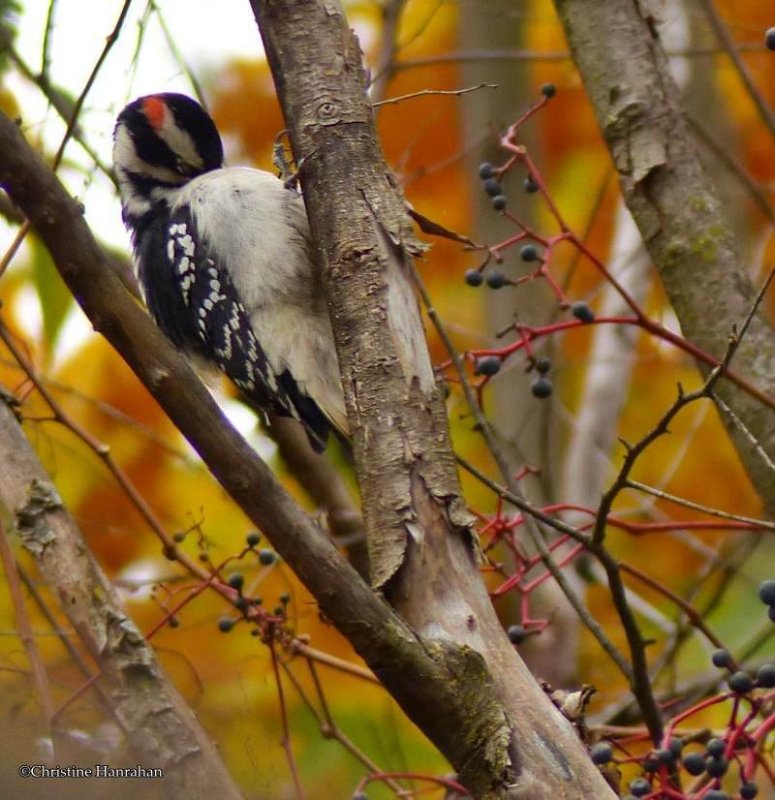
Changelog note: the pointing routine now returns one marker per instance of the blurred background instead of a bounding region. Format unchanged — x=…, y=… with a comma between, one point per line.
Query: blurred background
x=609, y=382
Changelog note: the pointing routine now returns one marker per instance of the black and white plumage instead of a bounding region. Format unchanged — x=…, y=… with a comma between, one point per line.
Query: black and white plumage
x=225, y=262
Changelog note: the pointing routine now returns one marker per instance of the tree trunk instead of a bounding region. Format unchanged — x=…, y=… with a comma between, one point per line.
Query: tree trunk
x=420, y=548
x=676, y=208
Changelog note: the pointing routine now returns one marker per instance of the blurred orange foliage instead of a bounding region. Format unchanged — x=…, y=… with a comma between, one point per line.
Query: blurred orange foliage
x=228, y=677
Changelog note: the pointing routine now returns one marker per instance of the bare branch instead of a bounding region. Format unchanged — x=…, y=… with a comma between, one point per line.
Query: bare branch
x=435, y=92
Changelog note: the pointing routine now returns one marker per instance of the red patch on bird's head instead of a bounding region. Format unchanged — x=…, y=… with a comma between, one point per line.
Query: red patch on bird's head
x=153, y=108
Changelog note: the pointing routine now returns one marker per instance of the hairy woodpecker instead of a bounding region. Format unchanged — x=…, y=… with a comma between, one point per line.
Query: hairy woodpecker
x=225, y=262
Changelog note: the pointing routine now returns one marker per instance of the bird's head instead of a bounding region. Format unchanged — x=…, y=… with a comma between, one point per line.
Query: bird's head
x=160, y=142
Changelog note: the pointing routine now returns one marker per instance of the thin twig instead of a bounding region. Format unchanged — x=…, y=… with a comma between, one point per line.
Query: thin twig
x=392, y=11
x=434, y=92
x=534, y=56
x=61, y=103
x=313, y=654
x=286, y=740
x=45, y=56
x=740, y=425
x=111, y=39
x=513, y=493
x=723, y=155
x=714, y=512
x=328, y=727
x=13, y=248
x=688, y=609
x=63, y=636
x=728, y=44
x=72, y=120
x=24, y=627
x=176, y=52
x=169, y=545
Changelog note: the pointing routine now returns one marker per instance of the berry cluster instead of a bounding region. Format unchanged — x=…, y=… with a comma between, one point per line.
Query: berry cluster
x=492, y=186
x=739, y=746
x=542, y=386
x=535, y=250
x=249, y=606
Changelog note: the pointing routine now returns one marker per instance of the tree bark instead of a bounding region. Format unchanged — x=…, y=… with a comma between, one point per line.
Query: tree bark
x=676, y=208
x=420, y=547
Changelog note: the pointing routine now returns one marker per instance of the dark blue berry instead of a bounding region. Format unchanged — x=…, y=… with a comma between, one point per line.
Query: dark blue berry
x=716, y=767
x=740, y=683
x=765, y=676
x=675, y=745
x=548, y=90
x=769, y=39
x=496, y=279
x=486, y=170
x=716, y=747
x=530, y=185
x=253, y=538
x=767, y=592
x=640, y=787
x=749, y=790
x=529, y=252
x=665, y=755
x=499, y=202
x=651, y=763
x=266, y=557
x=721, y=659
x=601, y=753
x=582, y=312
x=487, y=365
x=543, y=365
x=694, y=763
x=473, y=277
x=516, y=634
x=285, y=598
x=225, y=624
x=542, y=388
x=493, y=187
x=237, y=581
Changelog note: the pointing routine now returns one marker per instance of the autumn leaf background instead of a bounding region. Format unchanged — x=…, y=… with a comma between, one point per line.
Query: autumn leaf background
x=228, y=677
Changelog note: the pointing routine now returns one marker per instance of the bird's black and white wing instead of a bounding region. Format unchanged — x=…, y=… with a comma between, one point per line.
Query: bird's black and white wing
x=222, y=324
